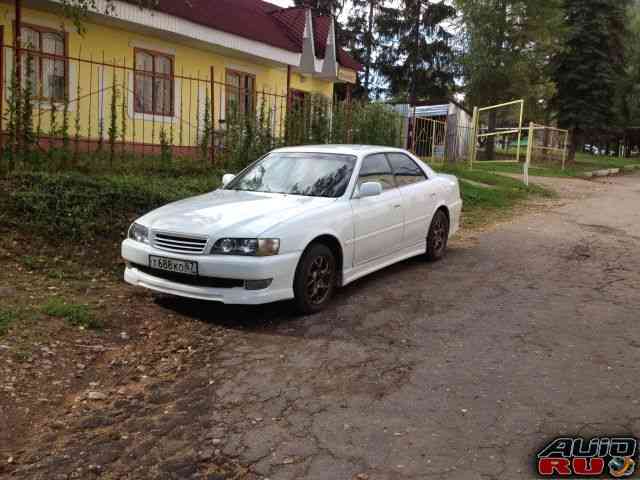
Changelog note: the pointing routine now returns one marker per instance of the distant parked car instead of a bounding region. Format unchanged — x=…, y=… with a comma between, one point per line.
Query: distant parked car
x=296, y=224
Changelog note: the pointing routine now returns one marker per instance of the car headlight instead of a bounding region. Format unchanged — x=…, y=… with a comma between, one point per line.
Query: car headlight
x=258, y=247
x=139, y=233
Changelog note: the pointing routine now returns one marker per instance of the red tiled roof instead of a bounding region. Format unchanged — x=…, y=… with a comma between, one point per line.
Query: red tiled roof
x=257, y=20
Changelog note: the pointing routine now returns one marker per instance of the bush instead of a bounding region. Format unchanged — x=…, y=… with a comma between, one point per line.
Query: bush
x=371, y=124
x=82, y=208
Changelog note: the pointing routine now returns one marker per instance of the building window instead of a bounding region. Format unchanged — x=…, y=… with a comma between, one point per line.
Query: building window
x=154, y=83
x=299, y=99
x=44, y=65
x=240, y=95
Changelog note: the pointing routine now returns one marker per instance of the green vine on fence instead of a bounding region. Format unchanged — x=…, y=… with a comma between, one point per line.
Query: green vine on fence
x=113, y=118
x=28, y=138
x=166, y=150
x=207, y=130
x=244, y=133
x=64, y=130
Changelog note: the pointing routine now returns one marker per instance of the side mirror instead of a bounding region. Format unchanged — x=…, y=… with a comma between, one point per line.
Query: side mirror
x=370, y=189
x=227, y=178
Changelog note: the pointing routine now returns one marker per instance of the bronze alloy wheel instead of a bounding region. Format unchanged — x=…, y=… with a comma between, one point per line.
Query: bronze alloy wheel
x=315, y=279
x=438, y=236
x=319, y=279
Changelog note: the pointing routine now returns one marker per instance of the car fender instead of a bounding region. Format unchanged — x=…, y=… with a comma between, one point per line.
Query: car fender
x=297, y=233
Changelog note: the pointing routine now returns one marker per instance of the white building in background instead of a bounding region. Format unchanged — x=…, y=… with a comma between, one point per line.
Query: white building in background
x=457, y=118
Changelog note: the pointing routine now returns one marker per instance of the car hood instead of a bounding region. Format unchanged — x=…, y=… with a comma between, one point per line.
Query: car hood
x=230, y=213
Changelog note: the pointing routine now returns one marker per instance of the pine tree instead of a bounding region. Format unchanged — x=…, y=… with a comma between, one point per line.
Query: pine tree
x=416, y=54
x=360, y=35
x=589, y=69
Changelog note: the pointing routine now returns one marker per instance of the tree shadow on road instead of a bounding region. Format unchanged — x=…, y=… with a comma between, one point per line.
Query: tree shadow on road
x=281, y=318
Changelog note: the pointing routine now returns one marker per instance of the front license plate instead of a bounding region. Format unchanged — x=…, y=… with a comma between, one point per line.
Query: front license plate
x=175, y=266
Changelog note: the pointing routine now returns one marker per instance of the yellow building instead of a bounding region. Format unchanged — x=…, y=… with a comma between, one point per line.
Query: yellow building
x=140, y=74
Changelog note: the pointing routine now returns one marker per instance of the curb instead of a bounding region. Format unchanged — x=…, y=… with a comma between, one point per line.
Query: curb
x=610, y=171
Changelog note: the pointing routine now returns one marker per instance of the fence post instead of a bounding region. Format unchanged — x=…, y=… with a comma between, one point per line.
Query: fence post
x=413, y=130
x=564, y=150
x=17, y=41
x=520, y=130
x=445, y=158
x=433, y=141
x=527, y=162
x=474, y=137
x=349, y=112
x=213, y=113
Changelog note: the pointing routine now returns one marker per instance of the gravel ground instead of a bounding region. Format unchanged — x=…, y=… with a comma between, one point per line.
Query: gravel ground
x=460, y=369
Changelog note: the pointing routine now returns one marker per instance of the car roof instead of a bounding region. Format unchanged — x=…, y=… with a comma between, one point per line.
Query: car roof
x=357, y=150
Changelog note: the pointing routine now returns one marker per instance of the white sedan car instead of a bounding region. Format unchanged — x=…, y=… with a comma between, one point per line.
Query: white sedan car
x=296, y=224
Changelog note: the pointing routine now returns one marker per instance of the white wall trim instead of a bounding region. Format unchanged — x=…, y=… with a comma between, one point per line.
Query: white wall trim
x=308, y=62
x=329, y=67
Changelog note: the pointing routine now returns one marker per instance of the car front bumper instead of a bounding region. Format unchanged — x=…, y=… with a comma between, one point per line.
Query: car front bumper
x=280, y=268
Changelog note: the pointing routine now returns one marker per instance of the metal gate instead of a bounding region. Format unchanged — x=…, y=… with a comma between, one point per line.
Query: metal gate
x=429, y=139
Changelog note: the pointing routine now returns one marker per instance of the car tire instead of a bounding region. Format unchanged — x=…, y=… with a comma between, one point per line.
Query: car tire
x=315, y=279
x=438, y=237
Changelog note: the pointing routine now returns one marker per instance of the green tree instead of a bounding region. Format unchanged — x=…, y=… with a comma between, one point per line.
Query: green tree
x=590, y=68
x=416, y=49
x=360, y=35
x=629, y=101
x=505, y=50
x=505, y=47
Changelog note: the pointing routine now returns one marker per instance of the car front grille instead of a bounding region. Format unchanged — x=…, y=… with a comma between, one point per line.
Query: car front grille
x=193, y=280
x=179, y=243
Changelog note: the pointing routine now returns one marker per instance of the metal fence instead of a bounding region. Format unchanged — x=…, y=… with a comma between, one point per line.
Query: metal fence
x=497, y=132
x=439, y=141
x=547, y=146
x=89, y=104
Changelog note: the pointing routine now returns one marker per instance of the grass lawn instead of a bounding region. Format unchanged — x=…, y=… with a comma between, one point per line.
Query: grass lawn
x=584, y=163
x=489, y=196
x=93, y=211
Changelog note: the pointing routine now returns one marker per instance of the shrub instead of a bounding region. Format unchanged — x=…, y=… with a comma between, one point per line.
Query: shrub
x=78, y=207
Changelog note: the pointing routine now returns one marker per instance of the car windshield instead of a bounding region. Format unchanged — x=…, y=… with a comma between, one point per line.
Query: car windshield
x=308, y=174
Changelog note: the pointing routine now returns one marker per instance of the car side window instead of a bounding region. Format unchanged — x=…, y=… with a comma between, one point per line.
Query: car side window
x=376, y=168
x=405, y=170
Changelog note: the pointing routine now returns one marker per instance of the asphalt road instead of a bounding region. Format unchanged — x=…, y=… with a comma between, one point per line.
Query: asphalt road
x=459, y=370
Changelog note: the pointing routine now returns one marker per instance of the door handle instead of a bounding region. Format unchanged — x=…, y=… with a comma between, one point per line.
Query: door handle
x=397, y=206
